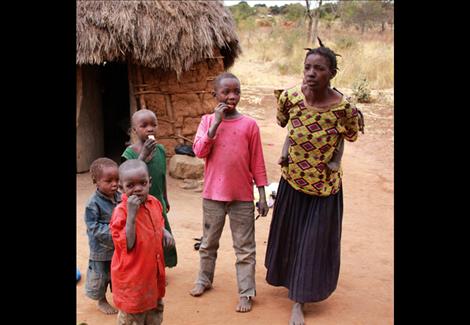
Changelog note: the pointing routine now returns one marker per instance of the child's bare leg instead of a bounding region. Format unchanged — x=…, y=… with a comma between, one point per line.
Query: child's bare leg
x=198, y=290
x=297, y=315
x=105, y=307
x=244, y=305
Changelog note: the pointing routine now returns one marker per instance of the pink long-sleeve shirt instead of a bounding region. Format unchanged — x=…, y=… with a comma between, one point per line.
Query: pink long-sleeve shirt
x=233, y=158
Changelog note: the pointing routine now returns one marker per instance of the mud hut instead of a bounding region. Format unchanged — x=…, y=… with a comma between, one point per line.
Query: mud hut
x=158, y=55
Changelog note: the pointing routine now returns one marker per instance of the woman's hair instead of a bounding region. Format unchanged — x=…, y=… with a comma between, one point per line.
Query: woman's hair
x=96, y=167
x=325, y=52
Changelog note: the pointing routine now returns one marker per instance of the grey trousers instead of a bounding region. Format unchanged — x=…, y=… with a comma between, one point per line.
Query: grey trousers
x=242, y=225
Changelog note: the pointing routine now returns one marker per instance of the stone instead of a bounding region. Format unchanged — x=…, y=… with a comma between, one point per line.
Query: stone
x=183, y=166
x=191, y=184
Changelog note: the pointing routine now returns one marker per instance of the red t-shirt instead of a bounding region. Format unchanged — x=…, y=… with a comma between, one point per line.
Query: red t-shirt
x=138, y=275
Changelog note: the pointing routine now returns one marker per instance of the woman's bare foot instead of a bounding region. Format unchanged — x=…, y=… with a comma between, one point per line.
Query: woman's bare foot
x=198, y=290
x=244, y=304
x=297, y=316
x=105, y=307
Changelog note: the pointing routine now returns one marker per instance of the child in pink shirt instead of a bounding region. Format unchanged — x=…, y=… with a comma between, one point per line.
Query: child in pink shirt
x=230, y=143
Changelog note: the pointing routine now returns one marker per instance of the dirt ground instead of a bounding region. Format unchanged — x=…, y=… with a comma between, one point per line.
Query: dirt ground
x=365, y=289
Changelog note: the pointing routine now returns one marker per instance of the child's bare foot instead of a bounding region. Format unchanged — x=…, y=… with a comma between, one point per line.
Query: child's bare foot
x=105, y=307
x=244, y=305
x=297, y=316
x=198, y=290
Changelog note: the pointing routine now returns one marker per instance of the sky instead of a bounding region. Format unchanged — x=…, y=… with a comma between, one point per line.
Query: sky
x=267, y=3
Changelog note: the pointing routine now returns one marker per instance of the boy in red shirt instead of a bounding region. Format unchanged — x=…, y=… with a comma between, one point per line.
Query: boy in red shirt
x=138, y=231
x=230, y=143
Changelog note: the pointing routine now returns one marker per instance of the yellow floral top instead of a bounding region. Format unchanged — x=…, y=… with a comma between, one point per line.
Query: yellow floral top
x=313, y=137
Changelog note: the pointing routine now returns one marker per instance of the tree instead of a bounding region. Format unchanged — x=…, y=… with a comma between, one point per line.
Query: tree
x=329, y=9
x=261, y=9
x=275, y=10
x=388, y=13
x=242, y=11
x=362, y=14
x=293, y=12
x=313, y=18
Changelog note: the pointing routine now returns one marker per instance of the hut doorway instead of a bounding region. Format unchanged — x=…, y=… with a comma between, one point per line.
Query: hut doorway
x=103, y=113
x=115, y=108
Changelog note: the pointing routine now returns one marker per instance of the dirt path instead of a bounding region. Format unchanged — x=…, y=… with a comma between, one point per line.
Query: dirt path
x=365, y=288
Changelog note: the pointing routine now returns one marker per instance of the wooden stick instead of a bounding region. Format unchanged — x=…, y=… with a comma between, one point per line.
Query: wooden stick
x=132, y=98
x=141, y=81
x=170, y=93
x=174, y=137
x=165, y=120
x=79, y=92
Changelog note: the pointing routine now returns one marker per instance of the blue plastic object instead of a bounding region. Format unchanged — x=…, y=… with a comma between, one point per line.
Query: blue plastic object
x=78, y=275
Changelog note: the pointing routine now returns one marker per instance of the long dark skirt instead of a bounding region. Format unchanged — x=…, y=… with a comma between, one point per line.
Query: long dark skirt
x=304, y=244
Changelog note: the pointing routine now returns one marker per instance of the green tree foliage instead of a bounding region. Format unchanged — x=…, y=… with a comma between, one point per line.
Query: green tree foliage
x=261, y=9
x=275, y=10
x=242, y=11
x=329, y=9
x=365, y=14
x=293, y=12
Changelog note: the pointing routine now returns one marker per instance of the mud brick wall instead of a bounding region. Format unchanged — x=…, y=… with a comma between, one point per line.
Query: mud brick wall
x=178, y=104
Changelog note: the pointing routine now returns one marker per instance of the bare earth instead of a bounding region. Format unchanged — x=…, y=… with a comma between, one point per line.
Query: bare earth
x=365, y=289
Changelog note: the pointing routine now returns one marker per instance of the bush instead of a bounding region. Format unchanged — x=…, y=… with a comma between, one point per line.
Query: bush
x=345, y=42
x=293, y=12
x=361, y=91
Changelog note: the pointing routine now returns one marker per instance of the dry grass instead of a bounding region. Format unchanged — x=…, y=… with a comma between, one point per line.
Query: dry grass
x=277, y=54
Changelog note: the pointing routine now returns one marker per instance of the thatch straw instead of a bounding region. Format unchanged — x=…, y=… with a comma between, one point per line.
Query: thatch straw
x=171, y=35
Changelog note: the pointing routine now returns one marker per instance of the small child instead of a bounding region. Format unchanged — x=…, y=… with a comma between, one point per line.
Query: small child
x=145, y=125
x=231, y=145
x=98, y=211
x=138, y=266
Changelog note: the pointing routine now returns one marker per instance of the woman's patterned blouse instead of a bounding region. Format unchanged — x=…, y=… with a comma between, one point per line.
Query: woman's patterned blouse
x=313, y=137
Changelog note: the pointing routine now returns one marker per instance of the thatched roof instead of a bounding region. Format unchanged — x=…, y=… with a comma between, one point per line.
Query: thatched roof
x=171, y=35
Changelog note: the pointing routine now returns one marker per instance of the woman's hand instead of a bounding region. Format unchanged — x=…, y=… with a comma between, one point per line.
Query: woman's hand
x=283, y=161
x=333, y=165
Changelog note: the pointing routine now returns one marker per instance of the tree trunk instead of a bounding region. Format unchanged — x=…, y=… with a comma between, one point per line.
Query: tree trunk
x=310, y=22
x=317, y=19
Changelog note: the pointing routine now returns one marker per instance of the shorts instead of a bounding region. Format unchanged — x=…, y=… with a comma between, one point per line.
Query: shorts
x=150, y=317
x=97, y=279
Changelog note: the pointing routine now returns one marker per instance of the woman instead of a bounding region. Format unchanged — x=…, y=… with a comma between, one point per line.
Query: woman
x=303, y=252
